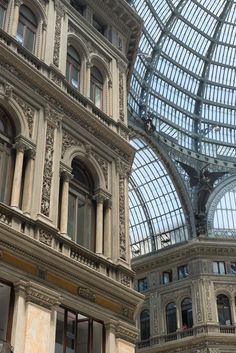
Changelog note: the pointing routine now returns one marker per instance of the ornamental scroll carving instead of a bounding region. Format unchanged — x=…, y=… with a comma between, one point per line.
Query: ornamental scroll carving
x=122, y=233
x=45, y=237
x=28, y=111
x=208, y=301
x=60, y=12
x=67, y=142
x=47, y=174
x=198, y=301
x=121, y=96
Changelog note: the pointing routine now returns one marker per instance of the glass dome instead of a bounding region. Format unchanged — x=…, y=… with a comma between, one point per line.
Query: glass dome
x=185, y=73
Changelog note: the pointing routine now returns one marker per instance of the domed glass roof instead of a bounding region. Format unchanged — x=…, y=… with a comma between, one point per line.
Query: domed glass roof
x=184, y=75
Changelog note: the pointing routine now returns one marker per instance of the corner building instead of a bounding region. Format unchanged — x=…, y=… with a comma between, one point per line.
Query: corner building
x=65, y=275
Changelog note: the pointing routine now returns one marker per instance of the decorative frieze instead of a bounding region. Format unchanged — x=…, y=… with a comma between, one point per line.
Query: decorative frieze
x=121, y=96
x=47, y=174
x=28, y=111
x=122, y=218
x=45, y=237
x=208, y=300
x=103, y=165
x=68, y=141
x=60, y=13
x=87, y=294
x=125, y=279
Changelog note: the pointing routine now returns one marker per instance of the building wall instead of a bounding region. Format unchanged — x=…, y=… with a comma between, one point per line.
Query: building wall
x=55, y=124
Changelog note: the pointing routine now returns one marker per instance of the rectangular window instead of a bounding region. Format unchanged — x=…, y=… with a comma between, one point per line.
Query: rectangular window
x=142, y=284
x=233, y=268
x=5, y=311
x=183, y=272
x=2, y=16
x=167, y=277
x=219, y=267
x=76, y=333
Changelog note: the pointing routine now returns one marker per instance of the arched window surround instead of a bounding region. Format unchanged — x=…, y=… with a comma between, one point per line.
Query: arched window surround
x=75, y=42
x=144, y=322
x=186, y=316
x=40, y=36
x=102, y=66
x=4, y=14
x=170, y=316
x=225, y=314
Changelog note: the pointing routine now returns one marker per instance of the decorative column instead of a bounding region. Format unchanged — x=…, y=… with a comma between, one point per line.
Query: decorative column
x=16, y=187
x=60, y=13
x=99, y=223
x=107, y=229
x=28, y=182
x=17, y=4
x=87, y=79
x=43, y=45
x=66, y=177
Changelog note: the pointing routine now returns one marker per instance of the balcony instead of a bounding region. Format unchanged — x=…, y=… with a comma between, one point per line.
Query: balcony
x=5, y=347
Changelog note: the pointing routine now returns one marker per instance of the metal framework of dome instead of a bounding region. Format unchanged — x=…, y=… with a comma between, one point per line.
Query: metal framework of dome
x=184, y=79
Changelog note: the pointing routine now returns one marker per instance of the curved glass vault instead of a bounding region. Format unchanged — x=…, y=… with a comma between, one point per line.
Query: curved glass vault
x=184, y=80
x=156, y=216
x=184, y=75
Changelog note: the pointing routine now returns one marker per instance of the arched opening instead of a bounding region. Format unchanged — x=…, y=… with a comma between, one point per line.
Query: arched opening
x=7, y=134
x=187, y=313
x=73, y=67
x=144, y=325
x=27, y=28
x=171, y=320
x=96, y=87
x=223, y=308
x=81, y=207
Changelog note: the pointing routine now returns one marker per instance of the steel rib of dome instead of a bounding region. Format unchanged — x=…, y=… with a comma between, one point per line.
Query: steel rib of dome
x=184, y=77
x=185, y=73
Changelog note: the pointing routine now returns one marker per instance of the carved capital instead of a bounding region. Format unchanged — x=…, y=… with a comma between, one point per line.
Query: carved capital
x=100, y=198
x=7, y=91
x=30, y=153
x=18, y=3
x=20, y=146
x=108, y=203
x=66, y=175
x=88, y=150
x=41, y=296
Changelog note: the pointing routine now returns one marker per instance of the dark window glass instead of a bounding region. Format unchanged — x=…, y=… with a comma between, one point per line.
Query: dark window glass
x=27, y=27
x=73, y=67
x=6, y=305
x=99, y=26
x=171, y=321
x=187, y=313
x=142, y=284
x=81, y=207
x=6, y=156
x=219, y=267
x=2, y=15
x=96, y=87
x=144, y=325
x=233, y=268
x=76, y=333
x=77, y=6
x=183, y=272
x=223, y=307
x=166, y=277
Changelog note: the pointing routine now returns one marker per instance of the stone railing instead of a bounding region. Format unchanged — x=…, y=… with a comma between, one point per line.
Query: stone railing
x=5, y=347
x=195, y=331
x=56, y=77
x=50, y=237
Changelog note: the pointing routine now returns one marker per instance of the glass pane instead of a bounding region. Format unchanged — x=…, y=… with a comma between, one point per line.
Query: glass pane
x=5, y=292
x=68, y=71
x=90, y=221
x=98, y=96
x=29, y=40
x=80, y=223
x=74, y=77
x=70, y=333
x=82, y=337
x=97, y=337
x=171, y=321
x=71, y=216
x=2, y=16
x=59, y=331
x=20, y=33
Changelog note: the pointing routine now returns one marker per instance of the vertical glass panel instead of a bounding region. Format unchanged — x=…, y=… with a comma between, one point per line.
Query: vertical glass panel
x=20, y=33
x=171, y=320
x=97, y=337
x=98, y=97
x=70, y=332
x=223, y=307
x=82, y=336
x=5, y=292
x=29, y=40
x=80, y=223
x=144, y=325
x=71, y=215
x=60, y=331
x=187, y=313
x=90, y=221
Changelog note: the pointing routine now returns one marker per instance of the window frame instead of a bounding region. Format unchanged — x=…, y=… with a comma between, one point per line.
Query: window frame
x=97, y=86
x=10, y=309
x=187, y=324
x=28, y=26
x=217, y=267
x=169, y=321
x=86, y=318
x=3, y=5
x=144, y=322
x=223, y=311
x=183, y=274
x=73, y=63
x=143, y=284
x=164, y=277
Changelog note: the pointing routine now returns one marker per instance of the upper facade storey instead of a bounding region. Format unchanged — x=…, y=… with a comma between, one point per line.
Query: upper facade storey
x=86, y=48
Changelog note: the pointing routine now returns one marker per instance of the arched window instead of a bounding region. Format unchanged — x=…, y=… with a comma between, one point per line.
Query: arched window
x=6, y=300
x=96, y=87
x=187, y=313
x=27, y=28
x=6, y=156
x=81, y=208
x=171, y=321
x=144, y=325
x=223, y=308
x=73, y=65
